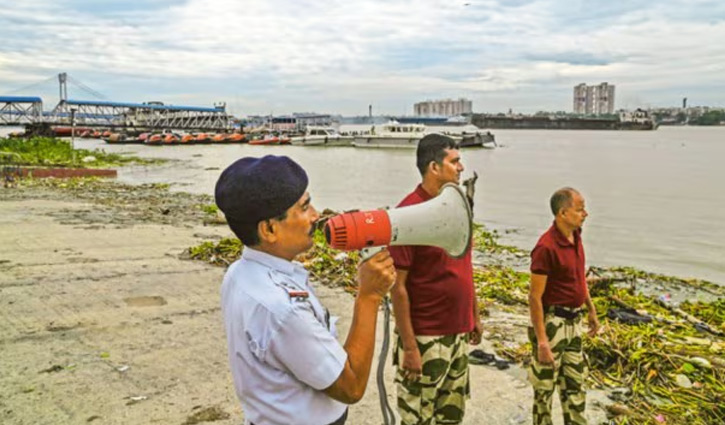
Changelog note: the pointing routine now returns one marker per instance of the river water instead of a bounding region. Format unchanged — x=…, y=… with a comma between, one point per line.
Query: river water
x=655, y=198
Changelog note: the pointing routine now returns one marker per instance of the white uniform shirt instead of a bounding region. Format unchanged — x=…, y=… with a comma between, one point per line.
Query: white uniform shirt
x=281, y=352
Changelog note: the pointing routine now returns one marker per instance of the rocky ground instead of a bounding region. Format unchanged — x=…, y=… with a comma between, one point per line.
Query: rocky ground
x=104, y=321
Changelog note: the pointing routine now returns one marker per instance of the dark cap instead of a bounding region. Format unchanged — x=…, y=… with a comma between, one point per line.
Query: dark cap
x=255, y=189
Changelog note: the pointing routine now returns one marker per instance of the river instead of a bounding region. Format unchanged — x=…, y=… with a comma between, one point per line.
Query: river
x=655, y=198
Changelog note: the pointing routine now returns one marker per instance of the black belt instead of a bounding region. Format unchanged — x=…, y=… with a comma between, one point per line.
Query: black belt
x=565, y=312
x=340, y=421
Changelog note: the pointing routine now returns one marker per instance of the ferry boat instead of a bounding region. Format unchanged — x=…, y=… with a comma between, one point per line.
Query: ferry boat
x=322, y=136
x=391, y=135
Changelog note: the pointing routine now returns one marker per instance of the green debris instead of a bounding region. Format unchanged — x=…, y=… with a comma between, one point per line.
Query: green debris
x=673, y=370
x=207, y=414
x=502, y=284
x=486, y=241
x=210, y=209
x=48, y=151
x=221, y=253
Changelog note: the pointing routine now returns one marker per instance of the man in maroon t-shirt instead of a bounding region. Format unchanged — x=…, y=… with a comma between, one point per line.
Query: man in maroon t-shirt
x=435, y=306
x=558, y=292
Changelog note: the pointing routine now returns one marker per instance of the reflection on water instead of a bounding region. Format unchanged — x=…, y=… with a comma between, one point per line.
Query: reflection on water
x=655, y=198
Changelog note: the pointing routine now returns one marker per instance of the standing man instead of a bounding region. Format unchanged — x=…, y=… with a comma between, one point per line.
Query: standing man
x=558, y=292
x=287, y=366
x=435, y=307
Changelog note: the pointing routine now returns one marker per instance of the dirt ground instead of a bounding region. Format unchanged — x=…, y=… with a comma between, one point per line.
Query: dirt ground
x=103, y=321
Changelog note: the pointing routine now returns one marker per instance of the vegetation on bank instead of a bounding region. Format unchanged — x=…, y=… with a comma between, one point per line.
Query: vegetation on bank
x=48, y=151
x=667, y=370
x=709, y=118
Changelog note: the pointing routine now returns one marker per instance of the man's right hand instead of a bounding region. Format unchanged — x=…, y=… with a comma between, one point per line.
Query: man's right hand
x=376, y=275
x=545, y=355
x=412, y=364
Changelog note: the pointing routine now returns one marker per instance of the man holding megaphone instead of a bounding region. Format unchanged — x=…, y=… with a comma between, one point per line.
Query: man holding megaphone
x=287, y=365
x=435, y=306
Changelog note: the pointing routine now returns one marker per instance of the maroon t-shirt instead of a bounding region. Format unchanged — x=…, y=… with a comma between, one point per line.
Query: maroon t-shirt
x=440, y=287
x=563, y=263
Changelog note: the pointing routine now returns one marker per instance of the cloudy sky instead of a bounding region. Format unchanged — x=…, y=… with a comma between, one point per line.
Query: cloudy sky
x=339, y=56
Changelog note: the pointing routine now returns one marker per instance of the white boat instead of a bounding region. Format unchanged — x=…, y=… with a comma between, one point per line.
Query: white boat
x=467, y=136
x=397, y=135
x=322, y=136
x=391, y=135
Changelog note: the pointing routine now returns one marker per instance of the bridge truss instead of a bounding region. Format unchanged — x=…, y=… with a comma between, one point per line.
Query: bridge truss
x=20, y=110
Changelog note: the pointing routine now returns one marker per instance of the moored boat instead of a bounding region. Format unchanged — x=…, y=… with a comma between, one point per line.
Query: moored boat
x=391, y=135
x=203, y=138
x=115, y=138
x=154, y=139
x=322, y=136
x=236, y=138
x=170, y=139
x=266, y=140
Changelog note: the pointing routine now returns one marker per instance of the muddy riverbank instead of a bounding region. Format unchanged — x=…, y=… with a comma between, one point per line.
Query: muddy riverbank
x=103, y=321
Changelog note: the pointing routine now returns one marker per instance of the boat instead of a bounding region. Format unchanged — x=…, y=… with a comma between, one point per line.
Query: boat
x=266, y=140
x=322, y=136
x=236, y=138
x=203, y=138
x=186, y=139
x=170, y=139
x=122, y=138
x=154, y=139
x=69, y=131
x=391, y=135
x=478, y=139
x=219, y=138
x=467, y=135
x=115, y=138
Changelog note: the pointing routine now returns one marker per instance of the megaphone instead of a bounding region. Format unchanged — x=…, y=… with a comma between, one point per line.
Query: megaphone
x=445, y=221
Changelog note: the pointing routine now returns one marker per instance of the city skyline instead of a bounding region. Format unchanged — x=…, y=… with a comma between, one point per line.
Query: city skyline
x=279, y=57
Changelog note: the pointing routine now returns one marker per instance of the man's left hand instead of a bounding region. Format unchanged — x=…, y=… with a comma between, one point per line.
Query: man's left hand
x=474, y=337
x=593, y=324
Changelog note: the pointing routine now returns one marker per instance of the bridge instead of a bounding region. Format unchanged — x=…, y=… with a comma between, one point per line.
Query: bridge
x=28, y=111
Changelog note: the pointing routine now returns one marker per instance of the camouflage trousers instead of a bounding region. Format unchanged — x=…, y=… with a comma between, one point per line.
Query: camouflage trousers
x=568, y=372
x=439, y=395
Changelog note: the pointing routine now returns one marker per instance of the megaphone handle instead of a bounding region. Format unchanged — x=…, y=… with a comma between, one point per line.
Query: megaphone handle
x=367, y=253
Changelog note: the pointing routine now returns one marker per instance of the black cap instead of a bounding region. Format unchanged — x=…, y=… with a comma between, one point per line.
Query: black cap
x=255, y=189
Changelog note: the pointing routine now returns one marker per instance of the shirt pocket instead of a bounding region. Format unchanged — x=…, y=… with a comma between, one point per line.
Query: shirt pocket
x=257, y=346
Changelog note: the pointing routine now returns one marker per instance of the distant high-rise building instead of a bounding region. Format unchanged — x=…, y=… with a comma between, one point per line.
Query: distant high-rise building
x=443, y=108
x=594, y=100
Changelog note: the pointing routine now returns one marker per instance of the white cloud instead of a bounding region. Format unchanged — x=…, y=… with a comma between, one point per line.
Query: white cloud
x=312, y=55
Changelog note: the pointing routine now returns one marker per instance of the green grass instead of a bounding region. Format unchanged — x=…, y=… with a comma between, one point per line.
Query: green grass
x=47, y=151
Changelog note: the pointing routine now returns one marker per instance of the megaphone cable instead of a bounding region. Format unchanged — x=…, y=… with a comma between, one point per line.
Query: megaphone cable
x=388, y=416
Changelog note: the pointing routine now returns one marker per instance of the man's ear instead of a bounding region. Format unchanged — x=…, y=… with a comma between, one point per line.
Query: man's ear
x=433, y=167
x=267, y=231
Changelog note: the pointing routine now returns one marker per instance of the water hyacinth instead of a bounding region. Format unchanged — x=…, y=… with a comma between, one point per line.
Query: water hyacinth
x=49, y=151
x=673, y=371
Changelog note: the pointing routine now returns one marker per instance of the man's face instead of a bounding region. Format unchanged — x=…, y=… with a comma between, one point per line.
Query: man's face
x=451, y=168
x=575, y=214
x=295, y=232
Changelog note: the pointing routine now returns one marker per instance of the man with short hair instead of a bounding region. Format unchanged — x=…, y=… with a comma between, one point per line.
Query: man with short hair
x=435, y=307
x=556, y=296
x=287, y=366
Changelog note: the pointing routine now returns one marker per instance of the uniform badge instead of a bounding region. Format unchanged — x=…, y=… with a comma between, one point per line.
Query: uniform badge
x=299, y=295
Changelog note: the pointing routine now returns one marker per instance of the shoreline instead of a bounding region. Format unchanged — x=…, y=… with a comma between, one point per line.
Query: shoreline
x=113, y=326
x=84, y=212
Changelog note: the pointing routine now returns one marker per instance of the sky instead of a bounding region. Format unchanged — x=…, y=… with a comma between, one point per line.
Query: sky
x=339, y=56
